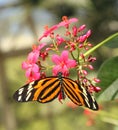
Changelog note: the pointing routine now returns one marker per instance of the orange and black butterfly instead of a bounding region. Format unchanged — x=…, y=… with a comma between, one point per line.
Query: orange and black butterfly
x=47, y=89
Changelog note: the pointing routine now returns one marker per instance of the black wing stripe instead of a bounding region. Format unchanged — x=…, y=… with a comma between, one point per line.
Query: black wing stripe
x=50, y=96
x=42, y=85
x=68, y=88
x=71, y=93
x=93, y=103
x=48, y=87
x=49, y=91
x=71, y=97
x=74, y=86
x=47, y=80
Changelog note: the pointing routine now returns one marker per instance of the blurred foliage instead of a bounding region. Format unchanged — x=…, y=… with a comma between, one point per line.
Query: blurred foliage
x=62, y=8
x=100, y=16
x=32, y=2
x=108, y=73
x=113, y=43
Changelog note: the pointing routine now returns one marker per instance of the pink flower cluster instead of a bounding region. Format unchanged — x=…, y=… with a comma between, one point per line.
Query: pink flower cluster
x=65, y=52
x=30, y=65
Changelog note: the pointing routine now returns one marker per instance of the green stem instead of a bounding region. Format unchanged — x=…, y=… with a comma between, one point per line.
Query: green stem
x=100, y=44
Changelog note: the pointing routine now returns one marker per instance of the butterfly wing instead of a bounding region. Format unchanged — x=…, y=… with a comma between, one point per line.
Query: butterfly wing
x=47, y=89
x=78, y=94
x=44, y=90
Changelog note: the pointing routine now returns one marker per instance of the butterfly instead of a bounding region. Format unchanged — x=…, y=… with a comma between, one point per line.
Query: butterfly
x=47, y=89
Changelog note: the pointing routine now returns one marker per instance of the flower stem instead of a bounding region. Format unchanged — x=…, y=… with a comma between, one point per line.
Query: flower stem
x=100, y=44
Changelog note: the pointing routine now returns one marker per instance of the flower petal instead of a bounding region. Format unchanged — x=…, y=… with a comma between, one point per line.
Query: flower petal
x=64, y=56
x=41, y=46
x=56, y=59
x=36, y=76
x=65, y=71
x=24, y=65
x=33, y=57
x=56, y=70
x=35, y=68
x=71, y=63
x=28, y=73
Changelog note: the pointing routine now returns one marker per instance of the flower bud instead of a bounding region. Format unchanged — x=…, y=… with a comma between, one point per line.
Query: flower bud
x=97, y=89
x=90, y=67
x=96, y=80
x=88, y=33
x=81, y=28
x=84, y=72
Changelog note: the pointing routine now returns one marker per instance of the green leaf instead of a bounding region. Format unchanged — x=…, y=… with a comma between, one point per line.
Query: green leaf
x=108, y=74
x=111, y=93
x=112, y=43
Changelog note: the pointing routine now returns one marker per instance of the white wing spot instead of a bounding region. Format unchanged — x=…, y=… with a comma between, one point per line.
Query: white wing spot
x=30, y=87
x=20, y=91
x=87, y=103
x=29, y=90
x=28, y=96
x=85, y=96
x=94, y=106
x=84, y=90
x=19, y=98
x=93, y=98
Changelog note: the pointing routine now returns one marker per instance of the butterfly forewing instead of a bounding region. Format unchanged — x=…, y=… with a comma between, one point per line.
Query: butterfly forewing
x=25, y=93
x=44, y=90
x=49, y=90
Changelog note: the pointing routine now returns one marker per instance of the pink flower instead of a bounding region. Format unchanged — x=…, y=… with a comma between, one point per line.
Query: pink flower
x=32, y=70
x=34, y=55
x=59, y=39
x=30, y=65
x=40, y=46
x=63, y=63
x=48, y=31
x=67, y=21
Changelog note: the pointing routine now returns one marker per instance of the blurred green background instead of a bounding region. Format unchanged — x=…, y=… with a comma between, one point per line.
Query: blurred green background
x=21, y=23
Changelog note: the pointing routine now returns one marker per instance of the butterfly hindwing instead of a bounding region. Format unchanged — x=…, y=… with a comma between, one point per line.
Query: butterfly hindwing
x=70, y=90
x=78, y=94
x=89, y=100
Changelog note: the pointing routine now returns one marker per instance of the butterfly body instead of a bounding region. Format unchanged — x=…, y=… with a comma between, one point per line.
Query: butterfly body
x=47, y=89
